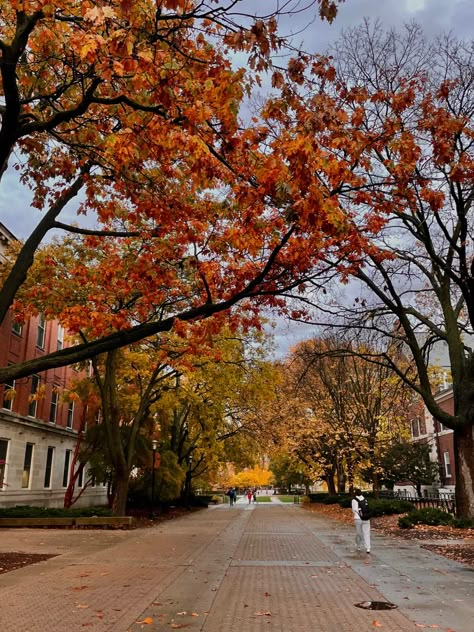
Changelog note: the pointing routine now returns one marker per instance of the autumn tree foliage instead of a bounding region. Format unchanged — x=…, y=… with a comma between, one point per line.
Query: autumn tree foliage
x=417, y=283
x=344, y=412
x=251, y=478
x=135, y=106
x=207, y=421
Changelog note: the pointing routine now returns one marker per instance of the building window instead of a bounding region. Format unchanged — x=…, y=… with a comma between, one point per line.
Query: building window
x=48, y=470
x=53, y=408
x=67, y=462
x=80, y=478
x=17, y=328
x=3, y=462
x=70, y=415
x=26, y=476
x=415, y=427
x=33, y=405
x=60, y=341
x=41, y=331
x=8, y=394
x=447, y=465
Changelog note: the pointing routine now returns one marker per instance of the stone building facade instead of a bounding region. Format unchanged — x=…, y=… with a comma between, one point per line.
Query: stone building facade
x=38, y=427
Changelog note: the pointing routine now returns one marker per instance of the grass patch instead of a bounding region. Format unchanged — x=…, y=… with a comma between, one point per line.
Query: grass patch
x=264, y=499
x=286, y=498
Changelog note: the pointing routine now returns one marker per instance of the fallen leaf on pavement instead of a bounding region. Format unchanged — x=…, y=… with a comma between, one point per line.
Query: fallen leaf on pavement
x=376, y=624
x=146, y=621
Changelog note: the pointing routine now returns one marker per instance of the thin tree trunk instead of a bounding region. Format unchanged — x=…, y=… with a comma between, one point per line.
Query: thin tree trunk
x=464, y=467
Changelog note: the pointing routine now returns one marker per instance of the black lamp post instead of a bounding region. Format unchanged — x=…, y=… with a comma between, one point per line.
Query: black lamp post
x=154, y=444
x=189, y=475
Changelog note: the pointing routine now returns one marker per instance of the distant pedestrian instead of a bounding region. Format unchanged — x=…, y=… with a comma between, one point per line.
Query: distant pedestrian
x=360, y=511
x=249, y=496
x=254, y=495
x=233, y=496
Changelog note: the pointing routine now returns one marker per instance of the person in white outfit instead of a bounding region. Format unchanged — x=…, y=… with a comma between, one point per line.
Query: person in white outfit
x=362, y=526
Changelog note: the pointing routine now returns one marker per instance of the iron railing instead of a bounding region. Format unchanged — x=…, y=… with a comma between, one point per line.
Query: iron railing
x=443, y=500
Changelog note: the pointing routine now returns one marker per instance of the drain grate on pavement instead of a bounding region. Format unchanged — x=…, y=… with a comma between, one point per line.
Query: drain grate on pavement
x=375, y=605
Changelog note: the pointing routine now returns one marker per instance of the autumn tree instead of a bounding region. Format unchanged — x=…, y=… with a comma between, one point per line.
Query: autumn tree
x=207, y=421
x=252, y=478
x=129, y=382
x=338, y=414
x=416, y=285
x=135, y=105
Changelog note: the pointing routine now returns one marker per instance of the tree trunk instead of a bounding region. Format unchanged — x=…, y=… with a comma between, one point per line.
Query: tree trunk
x=464, y=467
x=375, y=484
x=329, y=480
x=121, y=492
x=341, y=478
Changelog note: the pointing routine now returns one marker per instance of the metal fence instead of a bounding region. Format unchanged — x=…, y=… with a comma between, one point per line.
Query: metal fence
x=444, y=500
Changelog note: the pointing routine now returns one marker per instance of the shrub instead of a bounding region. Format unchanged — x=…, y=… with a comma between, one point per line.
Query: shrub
x=404, y=522
x=430, y=516
x=381, y=507
x=27, y=511
x=345, y=502
x=331, y=500
x=463, y=523
x=317, y=497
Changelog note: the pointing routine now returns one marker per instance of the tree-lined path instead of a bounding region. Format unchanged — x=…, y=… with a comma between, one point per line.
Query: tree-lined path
x=267, y=566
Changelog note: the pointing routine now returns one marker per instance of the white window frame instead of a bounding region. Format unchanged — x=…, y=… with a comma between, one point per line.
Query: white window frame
x=27, y=472
x=7, y=404
x=53, y=405
x=41, y=333
x=33, y=404
x=51, y=450
x=70, y=416
x=60, y=340
x=447, y=464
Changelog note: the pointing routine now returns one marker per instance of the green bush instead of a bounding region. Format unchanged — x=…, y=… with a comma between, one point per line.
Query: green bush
x=463, y=523
x=381, y=507
x=404, y=522
x=26, y=511
x=345, y=503
x=427, y=515
x=333, y=500
x=317, y=497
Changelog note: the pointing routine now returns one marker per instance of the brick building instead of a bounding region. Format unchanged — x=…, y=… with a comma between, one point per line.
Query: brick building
x=440, y=439
x=37, y=434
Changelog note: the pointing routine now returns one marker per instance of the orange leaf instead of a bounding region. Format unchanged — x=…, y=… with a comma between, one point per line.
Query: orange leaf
x=146, y=621
x=376, y=624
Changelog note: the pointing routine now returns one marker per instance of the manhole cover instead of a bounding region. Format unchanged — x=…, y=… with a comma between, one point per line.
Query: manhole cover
x=376, y=605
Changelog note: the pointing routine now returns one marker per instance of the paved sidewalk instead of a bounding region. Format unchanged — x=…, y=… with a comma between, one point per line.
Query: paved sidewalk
x=248, y=568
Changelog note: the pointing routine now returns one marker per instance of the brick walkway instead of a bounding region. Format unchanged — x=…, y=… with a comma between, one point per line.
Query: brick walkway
x=241, y=569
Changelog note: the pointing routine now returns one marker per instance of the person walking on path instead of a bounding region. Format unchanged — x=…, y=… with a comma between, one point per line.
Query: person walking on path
x=249, y=496
x=232, y=496
x=361, y=515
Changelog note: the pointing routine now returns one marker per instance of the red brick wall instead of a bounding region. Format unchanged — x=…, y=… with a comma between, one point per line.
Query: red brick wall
x=18, y=348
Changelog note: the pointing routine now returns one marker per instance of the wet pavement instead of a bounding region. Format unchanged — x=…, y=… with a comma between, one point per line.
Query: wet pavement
x=247, y=568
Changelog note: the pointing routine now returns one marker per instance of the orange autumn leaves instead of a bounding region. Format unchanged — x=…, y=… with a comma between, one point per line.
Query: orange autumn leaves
x=195, y=212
